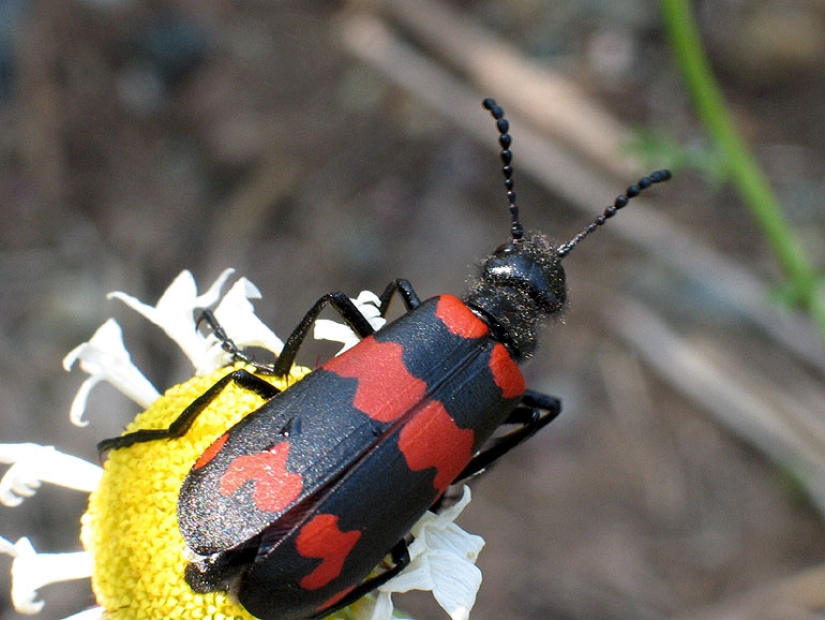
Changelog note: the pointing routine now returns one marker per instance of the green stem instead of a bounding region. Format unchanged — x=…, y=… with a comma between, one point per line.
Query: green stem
x=752, y=185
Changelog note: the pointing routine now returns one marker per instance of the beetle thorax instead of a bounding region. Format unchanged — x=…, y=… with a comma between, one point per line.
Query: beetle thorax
x=517, y=286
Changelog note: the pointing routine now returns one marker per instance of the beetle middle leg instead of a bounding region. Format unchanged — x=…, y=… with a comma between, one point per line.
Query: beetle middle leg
x=405, y=290
x=535, y=411
x=349, y=312
x=184, y=421
x=346, y=308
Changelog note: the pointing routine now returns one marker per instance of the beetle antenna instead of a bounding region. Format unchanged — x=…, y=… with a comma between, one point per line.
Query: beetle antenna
x=504, y=139
x=659, y=176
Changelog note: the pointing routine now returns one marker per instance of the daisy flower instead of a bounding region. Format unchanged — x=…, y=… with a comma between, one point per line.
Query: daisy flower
x=132, y=547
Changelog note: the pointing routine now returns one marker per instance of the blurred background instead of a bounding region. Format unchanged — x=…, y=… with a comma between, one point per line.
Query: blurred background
x=318, y=146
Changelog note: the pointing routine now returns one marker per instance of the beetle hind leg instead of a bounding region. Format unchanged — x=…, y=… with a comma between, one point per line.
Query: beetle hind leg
x=401, y=559
x=535, y=411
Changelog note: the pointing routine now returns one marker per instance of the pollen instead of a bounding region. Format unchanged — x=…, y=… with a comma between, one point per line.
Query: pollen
x=131, y=525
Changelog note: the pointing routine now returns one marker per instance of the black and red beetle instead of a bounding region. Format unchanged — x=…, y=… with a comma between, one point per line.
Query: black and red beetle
x=293, y=507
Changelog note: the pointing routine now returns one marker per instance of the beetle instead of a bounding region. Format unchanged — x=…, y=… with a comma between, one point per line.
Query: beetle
x=293, y=507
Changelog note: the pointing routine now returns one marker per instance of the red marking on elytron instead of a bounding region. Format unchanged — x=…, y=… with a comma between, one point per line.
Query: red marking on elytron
x=432, y=439
x=386, y=389
x=321, y=539
x=212, y=451
x=459, y=319
x=275, y=486
x=506, y=372
x=334, y=599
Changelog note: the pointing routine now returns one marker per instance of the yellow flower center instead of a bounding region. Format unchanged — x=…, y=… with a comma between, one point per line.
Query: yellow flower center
x=131, y=526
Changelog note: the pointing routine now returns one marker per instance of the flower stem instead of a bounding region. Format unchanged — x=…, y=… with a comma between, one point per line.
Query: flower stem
x=753, y=187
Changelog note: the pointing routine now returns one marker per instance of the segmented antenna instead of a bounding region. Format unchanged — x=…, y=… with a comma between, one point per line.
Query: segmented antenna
x=516, y=229
x=634, y=190
x=504, y=139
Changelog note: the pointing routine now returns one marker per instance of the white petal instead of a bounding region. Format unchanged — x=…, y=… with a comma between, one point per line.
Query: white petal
x=417, y=576
x=31, y=571
x=455, y=541
x=237, y=316
x=33, y=464
x=446, y=516
x=326, y=329
x=175, y=311
x=443, y=560
x=455, y=590
x=105, y=358
x=370, y=306
x=81, y=399
x=368, y=303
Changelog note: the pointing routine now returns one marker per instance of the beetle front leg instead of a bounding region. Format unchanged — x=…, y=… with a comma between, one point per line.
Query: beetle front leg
x=228, y=345
x=535, y=411
x=184, y=421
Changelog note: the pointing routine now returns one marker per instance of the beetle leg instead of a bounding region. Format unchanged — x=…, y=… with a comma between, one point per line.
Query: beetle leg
x=401, y=559
x=403, y=288
x=349, y=312
x=182, y=423
x=533, y=413
x=228, y=345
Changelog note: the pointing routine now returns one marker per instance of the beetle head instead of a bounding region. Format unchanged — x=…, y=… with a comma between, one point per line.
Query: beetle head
x=523, y=280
